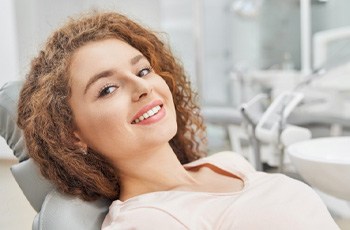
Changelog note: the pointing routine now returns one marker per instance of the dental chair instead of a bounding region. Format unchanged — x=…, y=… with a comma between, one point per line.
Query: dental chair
x=56, y=211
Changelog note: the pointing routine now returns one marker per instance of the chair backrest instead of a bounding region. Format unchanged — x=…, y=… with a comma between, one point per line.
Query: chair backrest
x=55, y=210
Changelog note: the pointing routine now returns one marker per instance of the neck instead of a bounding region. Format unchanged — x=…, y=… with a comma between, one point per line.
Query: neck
x=156, y=170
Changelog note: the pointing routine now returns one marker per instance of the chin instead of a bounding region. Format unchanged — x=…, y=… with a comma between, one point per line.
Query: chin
x=168, y=134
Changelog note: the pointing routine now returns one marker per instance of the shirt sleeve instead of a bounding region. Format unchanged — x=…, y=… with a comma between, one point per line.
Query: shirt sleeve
x=145, y=218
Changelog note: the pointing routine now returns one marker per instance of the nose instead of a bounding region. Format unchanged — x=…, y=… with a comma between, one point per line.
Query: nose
x=141, y=88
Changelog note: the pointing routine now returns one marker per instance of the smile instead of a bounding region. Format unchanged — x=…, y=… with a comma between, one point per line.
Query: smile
x=148, y=114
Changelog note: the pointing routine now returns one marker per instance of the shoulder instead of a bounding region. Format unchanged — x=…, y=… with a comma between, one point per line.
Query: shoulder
x=146, y=217
x=226, y=160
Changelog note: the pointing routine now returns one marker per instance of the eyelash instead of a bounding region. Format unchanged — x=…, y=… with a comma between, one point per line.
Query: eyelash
x=149, y=68
x=103, y=93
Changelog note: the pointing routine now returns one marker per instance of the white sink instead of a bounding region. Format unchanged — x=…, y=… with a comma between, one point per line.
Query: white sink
x=324, y=163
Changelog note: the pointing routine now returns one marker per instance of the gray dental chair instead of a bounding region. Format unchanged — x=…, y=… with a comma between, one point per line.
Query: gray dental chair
x=56, y=211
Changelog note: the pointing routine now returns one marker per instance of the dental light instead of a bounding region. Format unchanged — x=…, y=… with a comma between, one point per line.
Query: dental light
x=247, y=8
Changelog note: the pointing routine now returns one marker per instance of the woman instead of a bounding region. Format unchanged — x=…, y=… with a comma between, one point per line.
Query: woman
x=107, y=112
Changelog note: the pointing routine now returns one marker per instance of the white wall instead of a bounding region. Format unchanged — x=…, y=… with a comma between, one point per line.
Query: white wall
x=8, y=43
x=178, y=21
x=36, y=19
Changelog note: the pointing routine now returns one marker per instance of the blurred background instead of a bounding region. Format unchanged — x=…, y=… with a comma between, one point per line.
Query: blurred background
x=232, y=51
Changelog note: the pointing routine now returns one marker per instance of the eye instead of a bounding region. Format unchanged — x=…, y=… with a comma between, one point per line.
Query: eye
x=144, y=71
x=106, y=90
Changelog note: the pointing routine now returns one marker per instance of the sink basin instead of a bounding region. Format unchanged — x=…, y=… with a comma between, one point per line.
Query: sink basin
x=324, y=163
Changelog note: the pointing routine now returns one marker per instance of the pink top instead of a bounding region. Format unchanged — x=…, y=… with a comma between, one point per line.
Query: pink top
x=267, y=201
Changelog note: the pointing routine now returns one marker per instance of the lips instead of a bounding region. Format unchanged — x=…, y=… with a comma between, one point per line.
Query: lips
x=147, y=112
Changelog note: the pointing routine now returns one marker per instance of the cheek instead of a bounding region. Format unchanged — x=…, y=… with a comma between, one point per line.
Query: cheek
x=165, y=90
x=97, y=125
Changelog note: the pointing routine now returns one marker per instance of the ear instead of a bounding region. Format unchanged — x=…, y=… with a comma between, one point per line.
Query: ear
x=79, y=141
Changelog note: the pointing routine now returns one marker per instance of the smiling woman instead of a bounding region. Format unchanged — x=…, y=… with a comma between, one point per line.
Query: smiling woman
x=61, y=76
x=117, y=96
x=107, y=111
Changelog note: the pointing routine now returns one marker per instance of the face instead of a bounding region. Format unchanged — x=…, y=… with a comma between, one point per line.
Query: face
x=121, y=107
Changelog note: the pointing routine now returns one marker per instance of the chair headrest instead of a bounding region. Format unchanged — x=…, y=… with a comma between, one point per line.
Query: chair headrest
x=57, y=211
x=34, y=186
x=9, y=130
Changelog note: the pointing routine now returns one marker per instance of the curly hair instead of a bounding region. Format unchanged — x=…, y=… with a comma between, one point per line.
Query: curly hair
x=47, y=120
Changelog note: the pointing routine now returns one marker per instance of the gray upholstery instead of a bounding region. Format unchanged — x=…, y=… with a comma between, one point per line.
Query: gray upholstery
x=63, y=212
x=55, y=210
x=8, y=111
x=34, y=186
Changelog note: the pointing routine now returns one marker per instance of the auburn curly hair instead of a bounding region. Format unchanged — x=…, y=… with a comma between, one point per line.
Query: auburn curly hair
x=47, y=120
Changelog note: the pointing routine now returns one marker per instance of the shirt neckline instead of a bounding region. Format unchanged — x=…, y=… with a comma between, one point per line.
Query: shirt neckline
x=237, y=173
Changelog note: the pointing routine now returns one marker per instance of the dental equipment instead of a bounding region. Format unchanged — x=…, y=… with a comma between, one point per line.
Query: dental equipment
x=324, y=163
x=322, y=39
x=305, y=36
x=247, y=8
x=246, y=110
x=272, y=122
x=326, y=100
x=308, y=79
x=272, y=127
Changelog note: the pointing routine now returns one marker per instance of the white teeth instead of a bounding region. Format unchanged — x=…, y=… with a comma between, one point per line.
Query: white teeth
x=148, y=114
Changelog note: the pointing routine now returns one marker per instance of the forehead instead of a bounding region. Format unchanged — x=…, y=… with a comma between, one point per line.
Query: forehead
x=100, y=55
x=103, y=49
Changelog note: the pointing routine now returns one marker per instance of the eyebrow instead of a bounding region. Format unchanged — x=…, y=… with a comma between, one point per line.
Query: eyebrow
x=108, y=73
x=96, y=77
x=136, y=59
